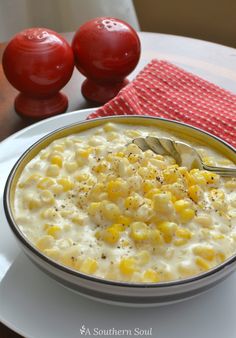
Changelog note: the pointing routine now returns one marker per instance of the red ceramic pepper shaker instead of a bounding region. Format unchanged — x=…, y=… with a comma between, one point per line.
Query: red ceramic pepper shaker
x=38, y=62
x=106, y=50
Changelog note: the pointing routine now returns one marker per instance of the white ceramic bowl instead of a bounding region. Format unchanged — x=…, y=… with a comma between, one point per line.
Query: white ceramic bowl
x=132, y=294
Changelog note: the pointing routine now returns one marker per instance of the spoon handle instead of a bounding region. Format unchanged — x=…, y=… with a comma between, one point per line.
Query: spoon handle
x=222, y=171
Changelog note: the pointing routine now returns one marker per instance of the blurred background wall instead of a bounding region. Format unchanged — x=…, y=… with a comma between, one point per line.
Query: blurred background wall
x=212, y=20
x=59, y=15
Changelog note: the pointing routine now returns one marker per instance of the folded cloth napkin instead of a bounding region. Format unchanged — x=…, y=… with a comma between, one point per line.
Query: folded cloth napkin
x=164, y=90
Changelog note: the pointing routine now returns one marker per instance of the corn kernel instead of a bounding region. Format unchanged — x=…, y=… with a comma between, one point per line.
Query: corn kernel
x=186, y=215
x=167, y=229
x=127, y=266
x=205, y=252
x=34, y=203
x=125, y=221
x=202, y=263
x=156, y=236
x=48, y=213
x=183, y=233
x=110, y=211
x=139, y=231
x=181, y=205
x=170, y=175
x=161, y=201
x=194, y=192
x=94, y=208
x=217, y=194
x=71, y=166
x=187, y=269
x=54, y=231
x=53, y=170
x=210, y=178
x=89, y=266
x=83, y=153
x=59, y=147
x=45, y=242
x=204, y=220
x=53, y=253
x=143, y=257
x=110, y=235
x=132, y=133
x=66, y=183
x=133, y=202
x=45, y=183
x=109, y=127
x=101, y=167
x=180, y=241
x=56, y=159
x=151, y=276
x=33, y=179
x=150, y=194
x=47, y=197
x=116, y=189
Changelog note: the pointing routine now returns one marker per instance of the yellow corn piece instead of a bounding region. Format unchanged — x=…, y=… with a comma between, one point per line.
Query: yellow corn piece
x=180, y=241
x=116, y=189
x=45, y=183
x=45, y=242
x=181, y=205
x=205, y=252
x=151, y=276
x=59, y=147
x=71, y=166
x=94, y=208
x=110, y=211
x=89, y=266
x=54, y=231
x=183, y=233
x=109, y=127
x=111, y=234
x=47, y=197
x=32, y=179
x=133, y=202
x=194, y=192
x=101, y=167
x=210, y=178
x=53, y=170
x=56, y=159
x=83, y=153
x=155, y=236
x=152, y=192
x=201, y=262
x=66, y=183
x=217, y=194
x=139, y=231
x=186, y=215
x=127, y=266
x=125, y=221
x=143, y=257
x=170, y=175
x=161, y=201
x=168, y=230
x=34, y=203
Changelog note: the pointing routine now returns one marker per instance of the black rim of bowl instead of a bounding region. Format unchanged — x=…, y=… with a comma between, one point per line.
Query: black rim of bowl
x=21, y=237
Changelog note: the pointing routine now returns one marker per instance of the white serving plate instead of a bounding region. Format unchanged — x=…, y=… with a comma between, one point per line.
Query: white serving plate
x=36, y=306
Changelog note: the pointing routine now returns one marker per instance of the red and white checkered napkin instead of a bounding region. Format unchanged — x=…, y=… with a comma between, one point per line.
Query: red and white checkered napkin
x=164, y=90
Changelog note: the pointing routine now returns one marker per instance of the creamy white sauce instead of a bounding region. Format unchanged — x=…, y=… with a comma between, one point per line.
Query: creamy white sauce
x=60, y=224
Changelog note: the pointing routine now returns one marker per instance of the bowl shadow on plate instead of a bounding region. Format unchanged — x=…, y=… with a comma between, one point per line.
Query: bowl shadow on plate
x=30, y=296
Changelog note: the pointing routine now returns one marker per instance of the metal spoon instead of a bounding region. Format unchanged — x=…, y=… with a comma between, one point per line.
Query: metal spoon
x=184, y=154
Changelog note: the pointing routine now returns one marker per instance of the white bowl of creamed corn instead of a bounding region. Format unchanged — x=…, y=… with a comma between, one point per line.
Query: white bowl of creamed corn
x=121, y=225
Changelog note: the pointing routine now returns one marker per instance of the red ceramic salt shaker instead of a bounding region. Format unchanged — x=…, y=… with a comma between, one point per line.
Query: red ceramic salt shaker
x=106, y=50
x=38, y=62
